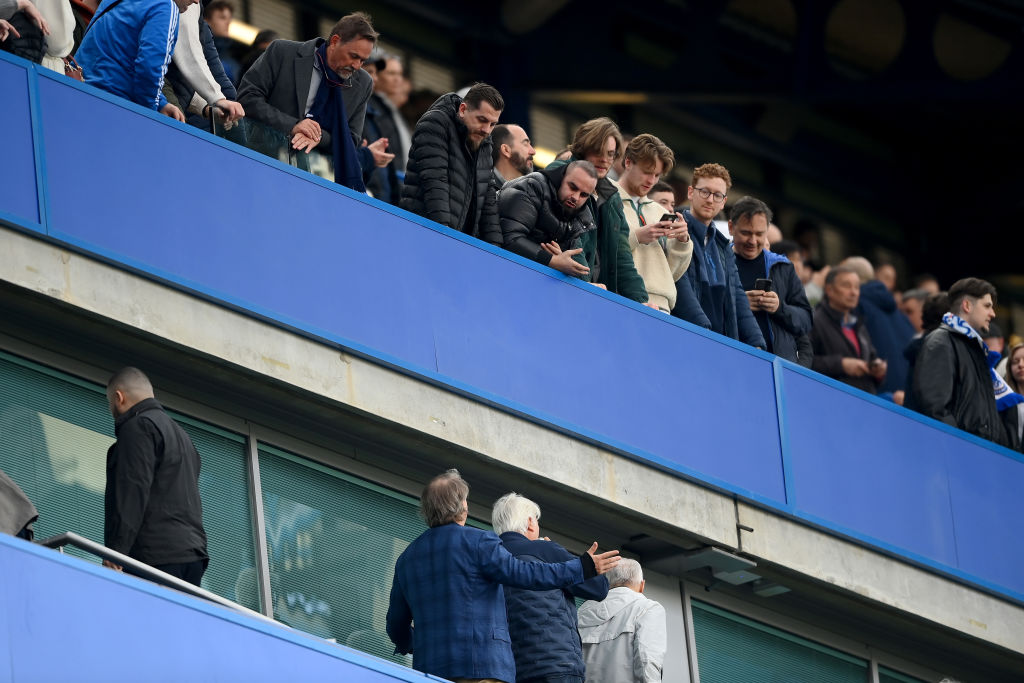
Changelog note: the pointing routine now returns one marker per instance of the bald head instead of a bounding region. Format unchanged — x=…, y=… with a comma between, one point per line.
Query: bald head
x=127, y=387
x=860, y=265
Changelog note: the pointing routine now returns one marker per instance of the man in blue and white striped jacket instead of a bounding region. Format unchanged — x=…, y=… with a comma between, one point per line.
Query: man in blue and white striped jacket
x=127, y=48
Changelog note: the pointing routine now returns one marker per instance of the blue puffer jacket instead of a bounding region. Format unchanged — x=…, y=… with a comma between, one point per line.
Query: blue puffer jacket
x=890, y=332
x=694, y=288
x=542, y=624
x=127, y=49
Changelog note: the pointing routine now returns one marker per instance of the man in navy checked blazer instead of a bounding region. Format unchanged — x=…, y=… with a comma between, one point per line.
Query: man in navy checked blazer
x=448, y=581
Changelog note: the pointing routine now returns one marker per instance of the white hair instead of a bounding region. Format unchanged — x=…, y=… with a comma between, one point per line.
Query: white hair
x=512, y=512
x=626, y=573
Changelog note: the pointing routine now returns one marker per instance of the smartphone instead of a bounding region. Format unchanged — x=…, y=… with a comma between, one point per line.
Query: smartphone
x=763, y=283
x=670, y=217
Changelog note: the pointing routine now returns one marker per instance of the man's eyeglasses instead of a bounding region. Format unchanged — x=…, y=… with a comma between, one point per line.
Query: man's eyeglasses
x=705, y=193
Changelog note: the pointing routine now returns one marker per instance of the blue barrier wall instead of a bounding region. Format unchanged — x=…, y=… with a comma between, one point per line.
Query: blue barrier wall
x=64, y=619
x=169, y=201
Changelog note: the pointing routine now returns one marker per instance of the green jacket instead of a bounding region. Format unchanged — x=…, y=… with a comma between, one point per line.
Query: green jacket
x=609, y=244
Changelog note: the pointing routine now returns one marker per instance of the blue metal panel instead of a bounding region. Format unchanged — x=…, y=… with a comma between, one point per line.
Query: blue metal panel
x=19, y=201
x=866, y=468
x=65, y=619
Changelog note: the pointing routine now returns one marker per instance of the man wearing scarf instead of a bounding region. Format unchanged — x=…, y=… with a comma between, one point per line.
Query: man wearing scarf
x=954, y=379
x=316, y=92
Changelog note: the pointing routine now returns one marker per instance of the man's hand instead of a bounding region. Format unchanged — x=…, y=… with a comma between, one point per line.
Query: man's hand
x=599, y=286
x=309, y=128
x=877, y=369
x=678, y=229
x=7, y=29
x=303, y=143
x=32, y=12
x=648, y=304
x=231, y=110
x=769, y=302
x=855, y=367
x=754, y=299
x=381, y=157
x=604, y=562
x=110, y=565
x=172, y=111
x=652, y=231
x=562, y=260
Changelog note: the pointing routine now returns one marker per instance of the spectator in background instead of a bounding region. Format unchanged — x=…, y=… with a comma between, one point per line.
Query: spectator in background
x=889, y=329
x=606, y=250
x=618, y=165
x=448, y=582
x=994, y=339
x=382, y=182
x=886, y=274
x=259, y=45
x=935, y=306
x=18, y=514
x=780, y=309
x=153, y=512
x=393, y=89
x=954, y=381
x=912, y=306
x=795, y=253
x=625, y=635
x=710, y=294
x=663, y=194
x=219, y=14
x=448, y=177
x=661, y=249
x=543, y=215
x=927, y=282
x=197, y=75
x=842, y=343
x=512, y=152
x=542, y=624
x=128, y=47
x=773, y=235
x=316, y=93
x=1013, y=416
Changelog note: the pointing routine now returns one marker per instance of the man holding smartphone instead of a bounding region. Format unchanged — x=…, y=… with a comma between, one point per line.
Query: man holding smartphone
x=773, y=289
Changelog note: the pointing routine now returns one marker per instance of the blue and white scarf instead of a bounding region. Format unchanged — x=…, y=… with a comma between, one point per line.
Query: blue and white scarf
x=1005, y=396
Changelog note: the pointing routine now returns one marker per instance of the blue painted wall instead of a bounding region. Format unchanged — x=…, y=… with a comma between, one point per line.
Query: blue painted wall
x=64, y=619
x=200, y=213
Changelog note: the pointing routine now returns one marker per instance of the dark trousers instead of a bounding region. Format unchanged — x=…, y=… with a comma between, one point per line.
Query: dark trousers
x=186, y=571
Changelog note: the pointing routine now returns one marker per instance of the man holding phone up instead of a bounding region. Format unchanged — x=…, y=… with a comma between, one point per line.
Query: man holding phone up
x=659, y=241
x=773, y=289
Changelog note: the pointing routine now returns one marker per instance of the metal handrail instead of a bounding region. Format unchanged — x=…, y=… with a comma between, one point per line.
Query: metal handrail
x=147, y=572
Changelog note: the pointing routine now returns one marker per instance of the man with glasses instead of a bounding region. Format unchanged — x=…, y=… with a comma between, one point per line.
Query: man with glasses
x=316, y=92
x=710, y=293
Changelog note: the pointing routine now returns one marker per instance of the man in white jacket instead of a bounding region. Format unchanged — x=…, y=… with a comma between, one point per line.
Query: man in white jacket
x=624, y=635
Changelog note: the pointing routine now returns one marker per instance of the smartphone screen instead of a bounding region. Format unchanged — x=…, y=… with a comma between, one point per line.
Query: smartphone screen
x=671, y=217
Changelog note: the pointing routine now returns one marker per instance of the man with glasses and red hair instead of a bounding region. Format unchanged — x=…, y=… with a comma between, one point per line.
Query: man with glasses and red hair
x=710, y=293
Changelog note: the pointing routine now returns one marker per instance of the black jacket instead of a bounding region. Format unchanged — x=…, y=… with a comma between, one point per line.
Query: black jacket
x=793, y=317
x=543, y=624
x=152, y=505
x=831, y=346
x=444, y=178
x=952, y=383
x=528, y=208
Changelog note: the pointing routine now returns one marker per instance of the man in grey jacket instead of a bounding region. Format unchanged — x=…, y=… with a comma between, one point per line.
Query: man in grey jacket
x=623, y=636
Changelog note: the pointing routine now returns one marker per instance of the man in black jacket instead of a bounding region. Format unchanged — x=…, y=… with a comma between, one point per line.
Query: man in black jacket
x=543, y=215
x=953, y=380
x=541, y=624
x=152, y=508
x=780, y=309
x=448, y=174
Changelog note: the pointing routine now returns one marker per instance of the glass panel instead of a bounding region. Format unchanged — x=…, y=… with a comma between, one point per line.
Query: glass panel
x=333, y=541
x=262, y=138
x=732, y=648
x=55, y=433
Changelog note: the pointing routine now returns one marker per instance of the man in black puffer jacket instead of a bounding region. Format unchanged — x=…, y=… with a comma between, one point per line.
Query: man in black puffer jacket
x=449, y=170
x=543, y=214
x=541, y=624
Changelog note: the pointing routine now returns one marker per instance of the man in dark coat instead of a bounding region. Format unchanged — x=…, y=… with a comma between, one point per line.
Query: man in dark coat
x=842, y=345
x=542, y=624
x=709, y=294
x=543, y=215
x=781, y=310
x=953, y=378
x=152, y=508
x=448, y=174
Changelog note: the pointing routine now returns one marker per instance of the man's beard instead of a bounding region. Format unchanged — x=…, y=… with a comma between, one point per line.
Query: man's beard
x=473, y=142
x=567, y=214
x=521, y=163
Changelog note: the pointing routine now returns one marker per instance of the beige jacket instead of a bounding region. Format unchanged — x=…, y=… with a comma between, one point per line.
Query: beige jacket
x=659, y=266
